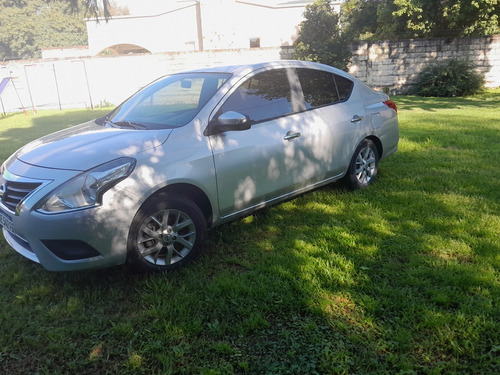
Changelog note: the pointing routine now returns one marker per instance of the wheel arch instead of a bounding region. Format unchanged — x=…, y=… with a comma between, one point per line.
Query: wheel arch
x=191, y=192
x=378, y=144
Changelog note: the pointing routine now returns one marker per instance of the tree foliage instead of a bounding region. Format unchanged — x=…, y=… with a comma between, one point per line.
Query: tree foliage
x=391, y=19
x=27, y=26
x=97, y=8
x=319, y=37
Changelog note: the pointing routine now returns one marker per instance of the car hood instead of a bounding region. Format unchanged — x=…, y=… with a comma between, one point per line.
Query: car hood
x=85, y=146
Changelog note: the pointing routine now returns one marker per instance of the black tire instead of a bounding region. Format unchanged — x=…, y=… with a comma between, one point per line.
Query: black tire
x=166, y=234
x=363, y=167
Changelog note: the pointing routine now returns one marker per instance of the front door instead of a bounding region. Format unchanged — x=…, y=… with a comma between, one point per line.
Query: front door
x=268, y=160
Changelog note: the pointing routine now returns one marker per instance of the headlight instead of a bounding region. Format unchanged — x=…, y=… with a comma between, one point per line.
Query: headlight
x=86, y=189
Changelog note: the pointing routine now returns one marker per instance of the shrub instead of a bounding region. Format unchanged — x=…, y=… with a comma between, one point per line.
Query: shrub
x=448, y=78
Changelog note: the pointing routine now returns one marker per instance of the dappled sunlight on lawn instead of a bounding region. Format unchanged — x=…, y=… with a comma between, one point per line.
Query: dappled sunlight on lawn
x=401, y=277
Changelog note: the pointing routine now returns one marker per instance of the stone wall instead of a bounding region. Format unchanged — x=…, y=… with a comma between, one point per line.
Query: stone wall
x=395, y=64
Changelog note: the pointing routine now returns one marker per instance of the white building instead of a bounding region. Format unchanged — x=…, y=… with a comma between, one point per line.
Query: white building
x=199, y=25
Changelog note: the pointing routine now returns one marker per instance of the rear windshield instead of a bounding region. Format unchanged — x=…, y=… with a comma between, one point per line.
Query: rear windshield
x=169, y=102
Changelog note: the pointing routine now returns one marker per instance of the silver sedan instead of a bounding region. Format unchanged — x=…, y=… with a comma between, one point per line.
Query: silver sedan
x=186, y=153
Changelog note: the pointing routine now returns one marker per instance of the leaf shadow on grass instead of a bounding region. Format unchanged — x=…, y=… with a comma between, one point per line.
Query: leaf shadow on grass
x=399, y=278
x=352, y=288
x=391, y=300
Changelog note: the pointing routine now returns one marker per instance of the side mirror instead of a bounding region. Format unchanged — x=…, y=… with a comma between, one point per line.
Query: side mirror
x=228, y=121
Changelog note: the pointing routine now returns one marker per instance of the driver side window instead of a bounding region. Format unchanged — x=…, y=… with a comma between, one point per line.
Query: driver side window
x=262, y=97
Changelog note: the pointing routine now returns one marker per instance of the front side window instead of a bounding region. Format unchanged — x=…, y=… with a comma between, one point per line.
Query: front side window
x=262, y=97
x=169, y=102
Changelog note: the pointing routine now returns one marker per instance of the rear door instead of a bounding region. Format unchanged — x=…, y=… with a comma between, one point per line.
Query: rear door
x=334, y=118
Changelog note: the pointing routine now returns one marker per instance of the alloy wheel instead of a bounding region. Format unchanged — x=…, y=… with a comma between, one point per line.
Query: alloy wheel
x=166, y=237
x=366, y=165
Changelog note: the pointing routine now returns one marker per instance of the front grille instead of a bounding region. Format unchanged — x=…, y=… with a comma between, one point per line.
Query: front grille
x=14, y=192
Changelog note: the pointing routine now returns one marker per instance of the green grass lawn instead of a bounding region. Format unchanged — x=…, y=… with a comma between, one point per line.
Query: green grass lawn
x=400, y=278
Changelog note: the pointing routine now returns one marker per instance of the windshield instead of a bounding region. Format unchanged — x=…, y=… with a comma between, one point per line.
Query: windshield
x=169, y=102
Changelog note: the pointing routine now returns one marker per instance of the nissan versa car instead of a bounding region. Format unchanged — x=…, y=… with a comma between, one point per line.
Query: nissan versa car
x=186, y=153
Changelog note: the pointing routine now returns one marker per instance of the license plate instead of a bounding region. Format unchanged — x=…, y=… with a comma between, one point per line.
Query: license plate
x=6, y=221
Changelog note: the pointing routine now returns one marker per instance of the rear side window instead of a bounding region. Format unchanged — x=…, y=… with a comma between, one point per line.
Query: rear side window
x=262, y=97
x=323, y=88
x=344, y=86
x=318, y=87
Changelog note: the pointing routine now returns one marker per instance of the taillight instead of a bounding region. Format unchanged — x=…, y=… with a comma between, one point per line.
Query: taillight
x=391, y=104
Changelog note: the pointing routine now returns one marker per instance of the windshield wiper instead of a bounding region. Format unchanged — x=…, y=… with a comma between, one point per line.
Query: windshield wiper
x=127, y=124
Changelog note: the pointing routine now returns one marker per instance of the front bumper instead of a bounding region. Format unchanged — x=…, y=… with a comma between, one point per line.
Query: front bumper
x=94, y=237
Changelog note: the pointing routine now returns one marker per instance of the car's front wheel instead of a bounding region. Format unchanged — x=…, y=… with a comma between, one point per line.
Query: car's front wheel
x=166, y=233
x=363, y=167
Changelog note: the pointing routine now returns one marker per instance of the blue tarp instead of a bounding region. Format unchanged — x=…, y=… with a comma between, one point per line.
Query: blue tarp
x=4, y=84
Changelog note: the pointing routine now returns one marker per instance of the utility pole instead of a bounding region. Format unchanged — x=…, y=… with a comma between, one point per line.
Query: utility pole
x=199, y=25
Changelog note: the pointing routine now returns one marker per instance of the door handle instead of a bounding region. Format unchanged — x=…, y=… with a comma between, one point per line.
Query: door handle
x=356, y=118
x=291, y=135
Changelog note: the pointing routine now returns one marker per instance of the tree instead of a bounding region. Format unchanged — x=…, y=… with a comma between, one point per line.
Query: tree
x=319, y=37
x=27, y=26
x=96, y=8
x=359, y=18
x=390, y=19
x=432, y=18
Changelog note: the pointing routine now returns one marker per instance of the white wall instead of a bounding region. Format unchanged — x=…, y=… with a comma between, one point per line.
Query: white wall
x=173, y=30
x=93, y=81
x=224, y=24
x=230, y=24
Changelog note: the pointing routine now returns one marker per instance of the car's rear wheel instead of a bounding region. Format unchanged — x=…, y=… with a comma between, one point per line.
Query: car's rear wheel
x=166, y=233
x=363, y=167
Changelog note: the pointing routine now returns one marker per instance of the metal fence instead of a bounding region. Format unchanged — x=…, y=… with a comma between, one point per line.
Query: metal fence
x=33, y=86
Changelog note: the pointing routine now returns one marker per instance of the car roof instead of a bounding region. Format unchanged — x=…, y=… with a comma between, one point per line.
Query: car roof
x=244, y=69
